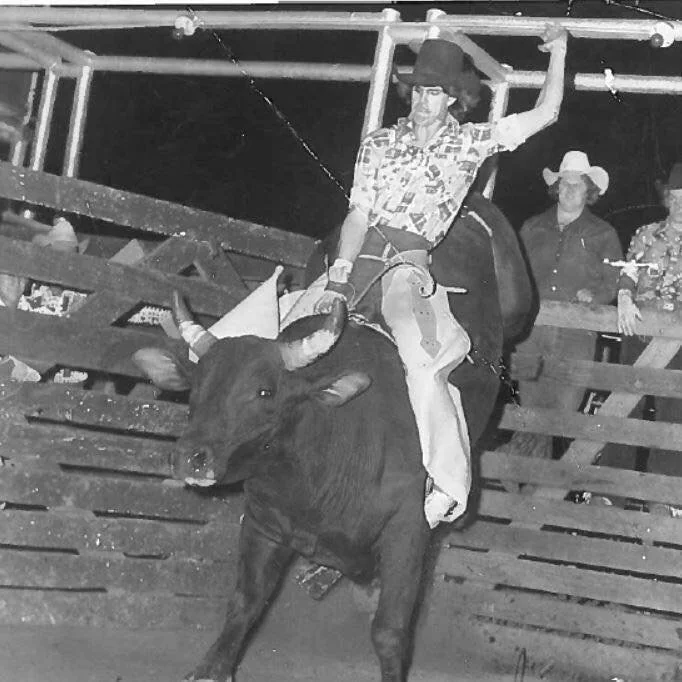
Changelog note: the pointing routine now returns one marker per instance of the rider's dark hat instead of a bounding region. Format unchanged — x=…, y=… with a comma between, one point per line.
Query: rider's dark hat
x=441, y=62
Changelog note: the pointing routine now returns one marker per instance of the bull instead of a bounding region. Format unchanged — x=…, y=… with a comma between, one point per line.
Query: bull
x=318, y=425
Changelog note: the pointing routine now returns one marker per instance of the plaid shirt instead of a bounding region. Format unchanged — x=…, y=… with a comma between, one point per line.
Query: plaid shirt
x=660, y=244
x=420, y=189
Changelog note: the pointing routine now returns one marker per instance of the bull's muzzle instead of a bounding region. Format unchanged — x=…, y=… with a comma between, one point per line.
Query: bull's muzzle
x=196, y=467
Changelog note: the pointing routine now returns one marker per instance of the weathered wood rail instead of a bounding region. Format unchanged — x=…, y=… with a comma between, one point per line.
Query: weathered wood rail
x=94, y=531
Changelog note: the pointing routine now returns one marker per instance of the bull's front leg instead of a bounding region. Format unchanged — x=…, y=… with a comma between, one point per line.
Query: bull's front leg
x=402, y=551
x=262, y=563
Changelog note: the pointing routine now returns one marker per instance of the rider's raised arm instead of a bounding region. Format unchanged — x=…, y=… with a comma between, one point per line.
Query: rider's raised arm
x=546, y=110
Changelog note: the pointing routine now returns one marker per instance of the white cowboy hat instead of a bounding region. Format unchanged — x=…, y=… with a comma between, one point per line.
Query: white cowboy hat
x=577, y=163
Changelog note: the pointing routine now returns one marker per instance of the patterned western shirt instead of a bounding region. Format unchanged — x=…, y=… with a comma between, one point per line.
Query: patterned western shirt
x=660, y=244
x=565, y=261
x=420, y=189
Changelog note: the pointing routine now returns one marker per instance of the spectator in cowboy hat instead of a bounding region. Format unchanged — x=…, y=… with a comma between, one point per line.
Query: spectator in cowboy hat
x=409, y=184
x=566, y=246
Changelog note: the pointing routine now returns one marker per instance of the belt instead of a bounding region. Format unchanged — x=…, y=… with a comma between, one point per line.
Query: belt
x=385, y=242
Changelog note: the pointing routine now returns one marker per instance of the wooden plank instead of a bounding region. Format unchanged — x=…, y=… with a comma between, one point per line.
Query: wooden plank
x=88, y=273
x=658, y=353
x=258, y=270
x=153, y=215
x=176, y=254
x=609, y=521
x=49, y=340
x=217, y=268
x=500, y=569
x=542, y=611
x=556, y=546
x=103, y=308
x=57, y=444
x=57, y=402
x=571, y=658
x=602, y=376
x=598, y=428
x=110, y=570
x=108, y=495
x=603, y=318
x=172, y=256
x=76, y=530
x=140, y=611
x=559, y=474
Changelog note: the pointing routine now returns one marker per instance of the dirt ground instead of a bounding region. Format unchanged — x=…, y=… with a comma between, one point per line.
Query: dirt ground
x=300, y=641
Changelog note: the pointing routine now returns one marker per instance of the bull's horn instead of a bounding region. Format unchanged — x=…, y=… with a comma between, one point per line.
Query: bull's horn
x=198, y=338
x=301, y=352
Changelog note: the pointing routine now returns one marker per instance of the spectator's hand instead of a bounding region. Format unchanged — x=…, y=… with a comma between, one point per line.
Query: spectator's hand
x=584, y=296
x=554, y=38
x=628, y=314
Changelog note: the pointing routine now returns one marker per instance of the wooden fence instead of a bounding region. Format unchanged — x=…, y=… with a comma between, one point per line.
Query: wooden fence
x=589, y=590
x=93, y=531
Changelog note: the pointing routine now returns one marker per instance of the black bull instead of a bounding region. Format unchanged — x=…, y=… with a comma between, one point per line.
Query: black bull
x=329, y=450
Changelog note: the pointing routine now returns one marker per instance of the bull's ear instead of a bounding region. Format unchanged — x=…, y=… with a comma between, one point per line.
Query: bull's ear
x=344, y=388
x=162, y=368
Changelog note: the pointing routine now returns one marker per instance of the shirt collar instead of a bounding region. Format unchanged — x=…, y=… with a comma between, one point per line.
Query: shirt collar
x=405, y=130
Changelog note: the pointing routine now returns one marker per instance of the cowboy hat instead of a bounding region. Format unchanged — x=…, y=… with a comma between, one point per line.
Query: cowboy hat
x=441, y=62
x=577, y=163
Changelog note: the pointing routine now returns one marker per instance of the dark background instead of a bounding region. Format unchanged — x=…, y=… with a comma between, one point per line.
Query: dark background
x=217, y=144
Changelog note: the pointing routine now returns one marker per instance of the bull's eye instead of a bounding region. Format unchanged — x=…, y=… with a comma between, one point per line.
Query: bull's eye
x=265, y=393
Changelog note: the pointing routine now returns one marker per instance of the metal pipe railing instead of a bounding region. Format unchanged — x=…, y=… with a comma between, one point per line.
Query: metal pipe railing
x=604, y=29
x=20, y=147
x=380, y=76
x=350, y=73
x=48, y=43
x=75, y=18
x=37, y=56
x=44, y=118
x=74, y=140
x=595, y=82
x=215, y=67
x=498, y=108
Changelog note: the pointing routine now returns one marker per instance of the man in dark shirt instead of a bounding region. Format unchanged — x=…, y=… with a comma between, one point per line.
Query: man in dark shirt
x=566, y=247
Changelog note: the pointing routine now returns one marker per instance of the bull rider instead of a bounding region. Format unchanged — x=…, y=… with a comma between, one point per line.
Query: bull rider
x=410, y=181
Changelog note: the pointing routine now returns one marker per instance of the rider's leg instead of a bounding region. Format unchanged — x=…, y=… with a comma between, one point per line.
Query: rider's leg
x=431, y=344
